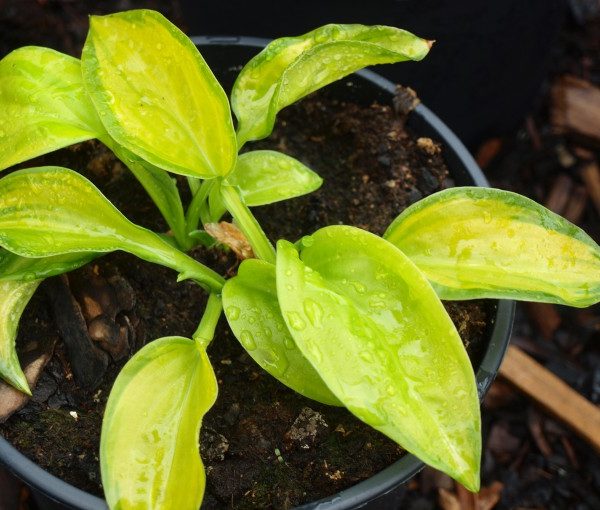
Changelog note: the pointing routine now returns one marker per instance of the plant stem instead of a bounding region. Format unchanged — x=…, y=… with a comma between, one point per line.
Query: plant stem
x=194, y=211
x=216, y=209
x=159, y=186
x=206, y=329
x=261, y=245
x=149, y=246
x=194, y=184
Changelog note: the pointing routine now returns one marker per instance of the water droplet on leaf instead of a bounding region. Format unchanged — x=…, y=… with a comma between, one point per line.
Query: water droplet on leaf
x=359, y=287
x=247, y=340
x=289, y=343
x=296, y=322
x=313, y=311
x=307, y=241
x=366, y=356
x=233, y=313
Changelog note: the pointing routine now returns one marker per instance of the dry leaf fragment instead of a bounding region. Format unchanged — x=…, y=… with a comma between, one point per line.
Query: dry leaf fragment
x=486, y=499
x=489, y=496
x=229, y=235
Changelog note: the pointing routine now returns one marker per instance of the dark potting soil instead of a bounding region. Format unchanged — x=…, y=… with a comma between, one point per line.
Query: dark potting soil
x=262, y=444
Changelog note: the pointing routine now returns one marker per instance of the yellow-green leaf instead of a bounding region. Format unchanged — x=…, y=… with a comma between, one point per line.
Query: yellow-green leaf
x=162, y=189
x=14, y=296
x=15, y=267
x=292, y=67
x=156, y=95
x=43, y=106
x=149, y=454
x=49, y=211
x=252, y=310
x=488, y=243
x=372, y=326
x=265, y=177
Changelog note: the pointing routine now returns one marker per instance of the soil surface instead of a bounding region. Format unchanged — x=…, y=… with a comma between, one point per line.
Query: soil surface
x=262, y=444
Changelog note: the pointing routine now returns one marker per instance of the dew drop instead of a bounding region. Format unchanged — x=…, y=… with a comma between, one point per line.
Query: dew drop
x=296, y=322
x=366, y=356
x=460, y=393
x=371, y=417
x=359, y=287
x=377, y=303
x=313, y=311
x=276, y=363
x=29, y=276
x=380, y=275
x=233, y=313
x=315, y=353
x=289, y=343
x=307, y=241
x=320, y=36
x=247, y=340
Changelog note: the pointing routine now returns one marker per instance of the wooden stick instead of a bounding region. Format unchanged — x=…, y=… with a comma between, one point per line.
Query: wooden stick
x=553, y=394
x=559, y=194
x=576, y=106
x=487, y=151
x=576, y=206
x=546, y=316
x=590, y=174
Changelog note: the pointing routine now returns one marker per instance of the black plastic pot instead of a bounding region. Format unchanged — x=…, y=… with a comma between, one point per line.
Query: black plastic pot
x=485, y=69
x=385, y=489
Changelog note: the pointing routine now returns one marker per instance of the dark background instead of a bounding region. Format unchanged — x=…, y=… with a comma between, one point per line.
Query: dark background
x=482, y=75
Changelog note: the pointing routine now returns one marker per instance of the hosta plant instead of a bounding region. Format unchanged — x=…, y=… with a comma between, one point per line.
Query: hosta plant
x=341, y=316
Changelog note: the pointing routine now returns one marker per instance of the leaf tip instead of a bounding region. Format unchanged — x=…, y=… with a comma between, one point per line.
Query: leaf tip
x=25, y=389
x=18, y=381
x=470, y=481
x=183, y=276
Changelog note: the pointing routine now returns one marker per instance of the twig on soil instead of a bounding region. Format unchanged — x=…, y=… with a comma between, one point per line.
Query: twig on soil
x=553, y=394
x=576, y=106
x=590, y=174
x=559, y=195
x=534, y=134
x=576, y=206
x=545, y=316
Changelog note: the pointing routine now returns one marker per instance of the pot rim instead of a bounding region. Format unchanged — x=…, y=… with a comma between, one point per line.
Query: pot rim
x=389, y=478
